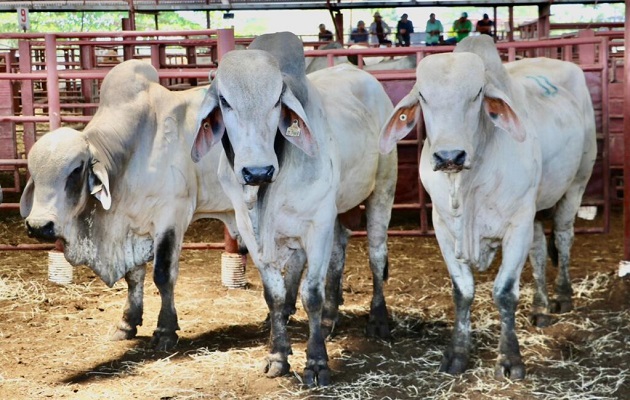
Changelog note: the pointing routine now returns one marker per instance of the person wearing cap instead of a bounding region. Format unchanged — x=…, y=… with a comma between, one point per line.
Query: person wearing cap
x=404, y=30
x=324, y=34
x=484, y=25
x=360, y=34
x=380, y=29
x=434, y=31
x=462, y=27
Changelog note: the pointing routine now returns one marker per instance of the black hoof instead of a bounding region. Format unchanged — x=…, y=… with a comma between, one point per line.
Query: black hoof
x=454, y=363
x=163, y=341
x=558, y=306
x=317, y=375
x=542, y=320
x=512, y=369
x=378, y=325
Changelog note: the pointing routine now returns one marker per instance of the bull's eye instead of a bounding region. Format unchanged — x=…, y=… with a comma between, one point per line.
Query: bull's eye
x=76, y=173
x=206, y=126
x=403, y=117
x=224, y=103
x=74, y=183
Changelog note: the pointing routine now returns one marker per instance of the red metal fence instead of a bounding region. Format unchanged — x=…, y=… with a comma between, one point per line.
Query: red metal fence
x=59, y=78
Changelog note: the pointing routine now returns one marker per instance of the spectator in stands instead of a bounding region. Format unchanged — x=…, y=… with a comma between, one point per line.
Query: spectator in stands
x=381, y=30
x=360, y=34
x=434, y=31
x=485, y=25
x=404, y=30
x=462, y=27
x=324, y=34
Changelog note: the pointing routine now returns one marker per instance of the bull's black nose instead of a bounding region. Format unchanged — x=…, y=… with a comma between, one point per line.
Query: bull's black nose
x=42, y=232
x=449, y=160
x=258, y=175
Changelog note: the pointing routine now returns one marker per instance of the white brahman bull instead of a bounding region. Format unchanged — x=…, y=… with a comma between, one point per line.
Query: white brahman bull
x=124, y=191
x=298, y=151
x=502, y=143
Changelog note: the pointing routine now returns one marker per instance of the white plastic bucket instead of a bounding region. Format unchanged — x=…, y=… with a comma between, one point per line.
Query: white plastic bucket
x=233, y=271
x=59, y=270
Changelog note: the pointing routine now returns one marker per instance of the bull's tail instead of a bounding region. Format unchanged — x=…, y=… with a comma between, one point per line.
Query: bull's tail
x=552, y=250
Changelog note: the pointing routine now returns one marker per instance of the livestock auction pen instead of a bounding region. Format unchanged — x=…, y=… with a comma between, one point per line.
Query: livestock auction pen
x=54, y=338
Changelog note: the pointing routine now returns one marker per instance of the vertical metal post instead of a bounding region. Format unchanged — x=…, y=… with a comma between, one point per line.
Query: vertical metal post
x=225, y=42
x=52, y=81
x=510, y=35
x=27, y=93
x=626, y=143
x=87, y=64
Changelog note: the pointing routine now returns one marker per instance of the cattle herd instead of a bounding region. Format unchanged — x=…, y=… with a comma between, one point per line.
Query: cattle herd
x=278, y=155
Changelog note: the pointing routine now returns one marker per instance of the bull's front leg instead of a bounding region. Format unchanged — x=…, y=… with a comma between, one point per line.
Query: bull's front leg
x=516, y=245
x=165, y=271
x=132, y=314
x=457, y=354
x=280, y=347
x=318, y=253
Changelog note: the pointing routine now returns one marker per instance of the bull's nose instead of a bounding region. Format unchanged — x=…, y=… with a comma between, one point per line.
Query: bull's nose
x=43, y=231
x=449, y=160
x=258, y=175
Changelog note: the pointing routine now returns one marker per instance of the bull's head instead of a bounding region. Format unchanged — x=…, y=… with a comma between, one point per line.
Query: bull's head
x=460, y=102
x=249, y=103
x=63, y=176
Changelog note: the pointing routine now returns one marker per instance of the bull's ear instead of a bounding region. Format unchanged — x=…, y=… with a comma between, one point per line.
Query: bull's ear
x=497, y=105
x=99, y=184
x=26, y=201
x=293, y=124
x=210, y=125
x=401, y=121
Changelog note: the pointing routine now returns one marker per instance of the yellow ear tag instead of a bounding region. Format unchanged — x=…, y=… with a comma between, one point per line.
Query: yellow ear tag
x=294, y=129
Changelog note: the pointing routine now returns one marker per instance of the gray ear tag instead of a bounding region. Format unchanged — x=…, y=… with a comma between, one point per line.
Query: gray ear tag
x=294, y=130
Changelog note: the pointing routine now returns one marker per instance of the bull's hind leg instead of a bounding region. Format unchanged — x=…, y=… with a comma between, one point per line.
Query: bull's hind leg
x=334, y=280
x=132, y=314
x=563, y=220
x=538, y=258
x=378, y=208
x=165, y=271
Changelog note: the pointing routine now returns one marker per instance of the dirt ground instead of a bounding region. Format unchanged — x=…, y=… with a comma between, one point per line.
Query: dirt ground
x=54, y=339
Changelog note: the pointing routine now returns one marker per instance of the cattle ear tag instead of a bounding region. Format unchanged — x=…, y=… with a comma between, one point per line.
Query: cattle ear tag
x=294, y=130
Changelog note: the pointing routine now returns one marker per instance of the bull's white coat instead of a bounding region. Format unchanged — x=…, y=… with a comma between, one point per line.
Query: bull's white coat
x=134, y=182
x=528, y=133
x=330, y=167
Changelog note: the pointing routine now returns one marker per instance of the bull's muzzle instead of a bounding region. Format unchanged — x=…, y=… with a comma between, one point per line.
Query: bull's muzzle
x=258, y=175
x=41, y=230
x=449, y=160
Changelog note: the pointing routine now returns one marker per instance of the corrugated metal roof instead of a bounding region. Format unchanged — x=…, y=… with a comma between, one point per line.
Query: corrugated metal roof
x=171, y=5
